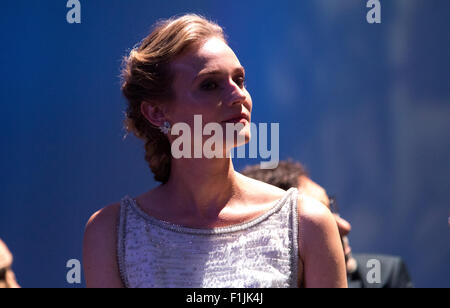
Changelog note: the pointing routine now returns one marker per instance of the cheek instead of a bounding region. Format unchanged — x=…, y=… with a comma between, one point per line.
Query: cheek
x=249, y=102
x=184, y=111
x=208, y=106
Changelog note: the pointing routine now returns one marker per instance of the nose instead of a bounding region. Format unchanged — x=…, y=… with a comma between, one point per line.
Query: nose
x=237, y=94
x=343, y=226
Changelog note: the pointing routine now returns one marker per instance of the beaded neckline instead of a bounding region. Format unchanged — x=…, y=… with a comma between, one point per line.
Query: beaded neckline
x=216, y=230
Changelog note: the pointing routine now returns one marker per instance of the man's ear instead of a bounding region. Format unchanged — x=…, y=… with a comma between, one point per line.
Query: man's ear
x=154, y=113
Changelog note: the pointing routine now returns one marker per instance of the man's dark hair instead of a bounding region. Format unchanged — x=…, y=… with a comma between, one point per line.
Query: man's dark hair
x=285, y=176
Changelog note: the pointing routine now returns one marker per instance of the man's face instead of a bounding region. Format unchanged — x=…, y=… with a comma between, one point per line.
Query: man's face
x=314, y=190
x=7, y=278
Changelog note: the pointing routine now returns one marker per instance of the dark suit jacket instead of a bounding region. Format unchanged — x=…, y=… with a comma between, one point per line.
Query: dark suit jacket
x=392, y=270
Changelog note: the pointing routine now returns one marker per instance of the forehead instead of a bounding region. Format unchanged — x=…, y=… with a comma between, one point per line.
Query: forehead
x=214, y=54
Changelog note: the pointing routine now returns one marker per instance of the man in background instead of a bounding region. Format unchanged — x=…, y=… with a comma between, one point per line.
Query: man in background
x=393, y=271
x=7, y=278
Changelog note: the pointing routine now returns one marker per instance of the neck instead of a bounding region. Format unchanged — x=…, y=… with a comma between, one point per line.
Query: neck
x=201, y=188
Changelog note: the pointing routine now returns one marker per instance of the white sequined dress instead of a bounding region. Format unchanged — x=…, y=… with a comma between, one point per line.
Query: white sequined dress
x=261, y=253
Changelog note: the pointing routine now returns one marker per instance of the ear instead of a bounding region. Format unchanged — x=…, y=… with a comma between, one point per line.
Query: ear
x=154, y=113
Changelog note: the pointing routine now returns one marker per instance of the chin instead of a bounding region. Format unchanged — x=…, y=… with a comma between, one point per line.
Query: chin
x=242, y=137
x=245, y=136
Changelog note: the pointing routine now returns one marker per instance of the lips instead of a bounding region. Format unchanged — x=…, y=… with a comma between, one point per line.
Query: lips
x=238, y=118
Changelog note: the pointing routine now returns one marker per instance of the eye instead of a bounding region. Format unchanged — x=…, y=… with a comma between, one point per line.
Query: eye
x=240, y=81
x=209, y=85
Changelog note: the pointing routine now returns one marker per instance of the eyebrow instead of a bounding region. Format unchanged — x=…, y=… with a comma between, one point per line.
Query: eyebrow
x=218, y=72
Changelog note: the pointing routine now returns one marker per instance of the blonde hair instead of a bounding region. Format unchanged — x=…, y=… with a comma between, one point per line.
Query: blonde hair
x=147, y=77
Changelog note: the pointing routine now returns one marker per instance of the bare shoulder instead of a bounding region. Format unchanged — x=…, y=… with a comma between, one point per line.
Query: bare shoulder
x=99, y=248
x=320, y=248
x=316, y=222
x=102, y=221
x=313, y=212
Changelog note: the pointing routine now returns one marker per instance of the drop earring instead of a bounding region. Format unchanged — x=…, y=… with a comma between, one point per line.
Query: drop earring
x=165, y=128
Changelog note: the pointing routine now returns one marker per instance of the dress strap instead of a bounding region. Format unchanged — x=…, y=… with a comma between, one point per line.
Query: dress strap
x=294, y=225
x=121, y=237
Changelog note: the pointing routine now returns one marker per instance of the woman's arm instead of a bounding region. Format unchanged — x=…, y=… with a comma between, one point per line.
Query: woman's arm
x=320, y=247
x=99, y=249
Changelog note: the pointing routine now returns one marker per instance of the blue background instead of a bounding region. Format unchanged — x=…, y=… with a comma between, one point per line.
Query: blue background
x=365, y=107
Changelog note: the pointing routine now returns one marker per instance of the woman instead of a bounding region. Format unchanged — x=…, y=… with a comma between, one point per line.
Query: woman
x=205, y=225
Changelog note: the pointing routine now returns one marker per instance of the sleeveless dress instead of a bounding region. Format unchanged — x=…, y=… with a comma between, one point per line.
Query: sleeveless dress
x=261, y=253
